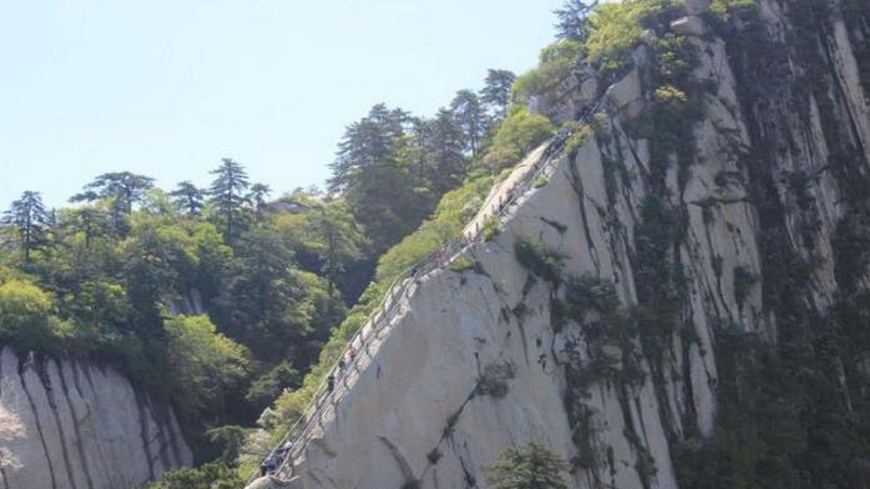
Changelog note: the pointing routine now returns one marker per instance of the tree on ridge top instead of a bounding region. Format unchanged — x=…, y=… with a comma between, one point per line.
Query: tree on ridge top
x=227, y=193
x=29, y=217
x=122, y=189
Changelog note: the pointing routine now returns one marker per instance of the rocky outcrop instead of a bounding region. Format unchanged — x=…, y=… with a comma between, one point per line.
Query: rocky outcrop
x=608, y=317
x=70, y=425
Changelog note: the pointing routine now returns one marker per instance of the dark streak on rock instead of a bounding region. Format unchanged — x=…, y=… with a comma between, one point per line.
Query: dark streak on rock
x=401, y=461
x=78, y=434
x=52, y=404
x=38, y=427
x=173, y=440
x=577, y=185
x=144, y=437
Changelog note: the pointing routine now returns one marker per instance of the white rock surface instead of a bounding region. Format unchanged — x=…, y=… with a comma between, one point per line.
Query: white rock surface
x=71, y=425
x=689, y=26
x=627, y=95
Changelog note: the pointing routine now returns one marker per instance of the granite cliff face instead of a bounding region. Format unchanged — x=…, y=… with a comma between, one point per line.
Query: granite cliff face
x=69, y=425
x=608, y=317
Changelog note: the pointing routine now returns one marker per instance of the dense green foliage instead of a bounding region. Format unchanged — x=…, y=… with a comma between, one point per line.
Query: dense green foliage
x=209, y=364
x=148, y=282
x=532, y=466
x=26, y=315
x=601, y=36
x=617, y=28
x=555, y=62
x=787, y=414
x=392, y=168
x=209, y=476
x=520, y=132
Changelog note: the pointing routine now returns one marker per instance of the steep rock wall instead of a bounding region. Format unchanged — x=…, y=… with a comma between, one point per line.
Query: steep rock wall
x=69, y=425
x=752, y=226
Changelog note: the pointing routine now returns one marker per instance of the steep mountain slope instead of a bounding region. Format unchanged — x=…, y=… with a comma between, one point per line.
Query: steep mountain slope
x=683, y=304
x=70, y=425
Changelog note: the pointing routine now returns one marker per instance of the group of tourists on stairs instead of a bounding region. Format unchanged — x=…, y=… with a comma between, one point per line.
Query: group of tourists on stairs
x=330, y=379
x=276, y=458
x=283, y=454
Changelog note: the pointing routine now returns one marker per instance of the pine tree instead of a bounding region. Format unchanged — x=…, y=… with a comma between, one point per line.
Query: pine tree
x=532, y=466
x=382, y=190
x=572, y=19
x=122, y=189
x=189, y=198
x=257, y=197
x=89, y=220
x=414, y=146
x=366, y=143
x=496, y=92
x=472, y=118
x=343, y=241
x=30, y=219
x=448, y=161
x=227, y=193
x=266, y=294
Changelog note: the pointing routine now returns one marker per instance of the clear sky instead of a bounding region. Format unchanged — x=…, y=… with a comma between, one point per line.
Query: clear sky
x=168, y=87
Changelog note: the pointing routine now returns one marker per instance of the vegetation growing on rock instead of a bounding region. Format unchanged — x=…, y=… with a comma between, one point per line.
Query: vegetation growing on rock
x=532, y=466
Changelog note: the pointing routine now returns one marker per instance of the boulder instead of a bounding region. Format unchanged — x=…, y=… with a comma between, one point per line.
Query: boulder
x=689, y=26
x=627, y=95
x=589, y=90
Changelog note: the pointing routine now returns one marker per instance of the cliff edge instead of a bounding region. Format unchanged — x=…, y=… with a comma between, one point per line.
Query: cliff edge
x=70, y=425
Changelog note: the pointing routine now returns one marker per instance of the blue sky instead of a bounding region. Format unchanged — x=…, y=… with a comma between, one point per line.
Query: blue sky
x=168, y=87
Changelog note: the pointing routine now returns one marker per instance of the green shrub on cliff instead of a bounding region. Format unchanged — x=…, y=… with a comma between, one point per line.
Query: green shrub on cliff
x=531, y=466
x=610, y=32
x=518, y=134
x=555, y=62
x=209, y=476
x=543, y=262
x=617, y=28
x=205, y=365
x=26, y=319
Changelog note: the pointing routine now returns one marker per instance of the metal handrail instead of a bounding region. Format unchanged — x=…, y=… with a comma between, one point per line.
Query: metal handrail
x=386, y=310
